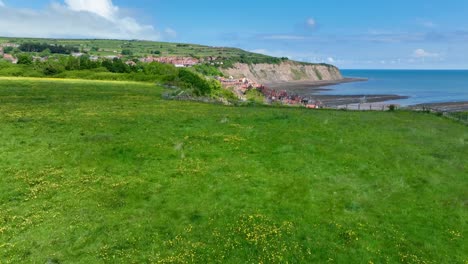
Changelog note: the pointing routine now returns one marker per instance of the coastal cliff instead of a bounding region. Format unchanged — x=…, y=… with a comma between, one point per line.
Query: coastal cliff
x=284, y=72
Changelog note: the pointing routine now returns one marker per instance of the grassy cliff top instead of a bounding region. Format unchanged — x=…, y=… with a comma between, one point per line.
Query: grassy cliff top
x=139, y=48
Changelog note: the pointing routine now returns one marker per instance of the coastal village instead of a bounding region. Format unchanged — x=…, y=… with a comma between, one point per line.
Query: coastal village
x=239, y=86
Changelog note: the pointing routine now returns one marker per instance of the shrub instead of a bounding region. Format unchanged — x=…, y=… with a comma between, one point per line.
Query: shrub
x=127, y=52
x=8, y=50
x=207, y=70
x=25, y=59
x=53, y=69
x=191, y=80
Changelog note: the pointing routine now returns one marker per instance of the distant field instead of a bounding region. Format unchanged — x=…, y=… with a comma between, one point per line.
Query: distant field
x=142, y=48
x=107, y=172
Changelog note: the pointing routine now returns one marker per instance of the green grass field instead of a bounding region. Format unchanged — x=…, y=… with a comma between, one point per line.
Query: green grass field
x=107, y=172
x=140, y=48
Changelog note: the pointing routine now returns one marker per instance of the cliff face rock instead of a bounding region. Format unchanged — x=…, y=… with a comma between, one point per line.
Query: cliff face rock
x=284, y=72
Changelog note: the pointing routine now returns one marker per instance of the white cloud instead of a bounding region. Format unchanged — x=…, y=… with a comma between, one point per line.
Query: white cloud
x=171, y=33
x=311, y=23
x=420, y=53
x=103, y=8
x=74, y=19
x=331, y=60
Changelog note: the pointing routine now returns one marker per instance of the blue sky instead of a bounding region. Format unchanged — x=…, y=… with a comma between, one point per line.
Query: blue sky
x=396, y=34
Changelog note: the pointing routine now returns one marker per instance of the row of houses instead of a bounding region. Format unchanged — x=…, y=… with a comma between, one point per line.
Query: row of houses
x=243, y=85
x=5, y=56
x=94, y=57
x=286, y=98
x=10, y=58
x=176, y=61
x=11, y=45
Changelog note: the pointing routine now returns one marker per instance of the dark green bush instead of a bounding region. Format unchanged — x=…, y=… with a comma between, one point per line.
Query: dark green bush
x=25, y=59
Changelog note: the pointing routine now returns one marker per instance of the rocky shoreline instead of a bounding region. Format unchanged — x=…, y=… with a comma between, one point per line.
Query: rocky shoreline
x=342, y=100
x=307, y=87
x=441, y=107
x=312, y=90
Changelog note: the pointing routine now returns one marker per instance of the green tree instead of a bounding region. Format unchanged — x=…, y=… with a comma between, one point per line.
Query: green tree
x=127, y=52
x=45, y=53
x=194, y=81
x=25, y=59
x=8, y=50
x=52, y=68
x=72, y=64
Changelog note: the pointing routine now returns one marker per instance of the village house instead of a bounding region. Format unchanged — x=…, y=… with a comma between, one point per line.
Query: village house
x=243, y=85
x=176, y=61
x=131, y=63
x=10, y=58
x=9, y=45
x=240, y=86
x=77, y=54
x=40, y=59
x=111, y=57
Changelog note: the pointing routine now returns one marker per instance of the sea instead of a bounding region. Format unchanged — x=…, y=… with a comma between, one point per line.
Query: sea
x=421, y=86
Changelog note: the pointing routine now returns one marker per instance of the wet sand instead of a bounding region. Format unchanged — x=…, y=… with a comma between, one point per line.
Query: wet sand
x=343, y=100
x=312, y=89
x=308, y=87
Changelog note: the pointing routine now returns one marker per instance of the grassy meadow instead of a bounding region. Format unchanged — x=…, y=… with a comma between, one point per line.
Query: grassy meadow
x=141, y=48
x=108, y=172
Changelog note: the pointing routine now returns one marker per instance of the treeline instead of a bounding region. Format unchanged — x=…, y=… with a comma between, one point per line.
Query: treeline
x=190, y=81
x=40, y=47
x=229, y=62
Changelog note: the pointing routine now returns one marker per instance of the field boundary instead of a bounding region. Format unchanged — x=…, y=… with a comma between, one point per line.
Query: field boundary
x=70, y=80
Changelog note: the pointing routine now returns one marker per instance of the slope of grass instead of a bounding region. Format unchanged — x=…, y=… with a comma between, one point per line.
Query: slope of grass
x=138, y=49
x=141, y=48
x=105, y=172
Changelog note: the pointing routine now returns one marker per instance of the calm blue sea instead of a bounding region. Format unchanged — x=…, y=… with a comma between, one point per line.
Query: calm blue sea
x=423, y=86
